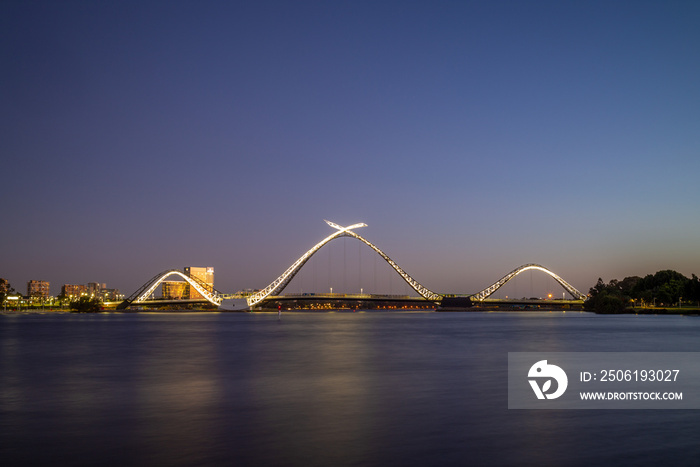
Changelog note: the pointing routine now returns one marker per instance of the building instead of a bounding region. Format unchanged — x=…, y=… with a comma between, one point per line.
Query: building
x=94, y=288
x=73, y=291
x=111, y=295
x=205, y=275
x=39, y=289
x=175, y=290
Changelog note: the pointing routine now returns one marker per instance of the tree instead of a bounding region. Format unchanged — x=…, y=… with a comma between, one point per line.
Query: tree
x=692, y=289
x=628, y=284
x=610, y=303
x=86, y=305
x=5, y=289
x=609, y=298
x=665, y=287
x=597, y=288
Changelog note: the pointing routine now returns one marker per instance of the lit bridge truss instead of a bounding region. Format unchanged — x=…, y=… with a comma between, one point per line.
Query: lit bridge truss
x=282, y=281
x=215, y=297
x=210, y=294
x=500, y=283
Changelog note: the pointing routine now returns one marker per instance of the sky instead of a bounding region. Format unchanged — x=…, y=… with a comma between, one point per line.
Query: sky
x=471, y=136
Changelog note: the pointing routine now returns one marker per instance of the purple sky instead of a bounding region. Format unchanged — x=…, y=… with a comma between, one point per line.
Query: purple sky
x=471, y=137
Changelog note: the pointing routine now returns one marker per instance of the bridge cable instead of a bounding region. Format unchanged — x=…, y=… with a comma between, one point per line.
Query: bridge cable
x=359, y=267
x=314, y=271
x=391, y=282
x=375, y=274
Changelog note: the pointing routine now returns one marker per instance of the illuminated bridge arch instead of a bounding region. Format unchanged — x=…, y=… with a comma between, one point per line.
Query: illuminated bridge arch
x=497, y=285
x=282, y=281
x=142, y=294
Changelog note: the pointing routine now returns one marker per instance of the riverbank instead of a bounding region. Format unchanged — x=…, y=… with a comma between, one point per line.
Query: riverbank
x=689, y=311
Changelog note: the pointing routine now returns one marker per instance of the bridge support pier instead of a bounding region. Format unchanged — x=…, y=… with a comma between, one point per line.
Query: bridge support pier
x=455, y=303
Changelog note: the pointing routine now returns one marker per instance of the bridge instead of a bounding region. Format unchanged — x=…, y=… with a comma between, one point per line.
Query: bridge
x=273, y=290
x=143, y=295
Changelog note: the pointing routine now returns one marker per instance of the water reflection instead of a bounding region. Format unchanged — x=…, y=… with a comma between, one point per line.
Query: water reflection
x=177, y=390
x=317, y=389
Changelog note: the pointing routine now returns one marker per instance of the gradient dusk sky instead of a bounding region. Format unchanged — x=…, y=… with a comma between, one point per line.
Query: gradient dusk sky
x=471, y=137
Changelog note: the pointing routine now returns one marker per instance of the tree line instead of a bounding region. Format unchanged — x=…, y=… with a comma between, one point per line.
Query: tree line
x=665, y=288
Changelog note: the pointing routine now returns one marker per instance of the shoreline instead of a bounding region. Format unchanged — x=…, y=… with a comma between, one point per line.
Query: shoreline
x=628, y=311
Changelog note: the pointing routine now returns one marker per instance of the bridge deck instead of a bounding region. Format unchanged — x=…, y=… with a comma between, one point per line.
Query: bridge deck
x=341, y=296
x=508, y=301
x=356, y=300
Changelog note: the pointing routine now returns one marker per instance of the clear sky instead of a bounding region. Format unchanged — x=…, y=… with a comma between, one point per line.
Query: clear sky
x=471, y=137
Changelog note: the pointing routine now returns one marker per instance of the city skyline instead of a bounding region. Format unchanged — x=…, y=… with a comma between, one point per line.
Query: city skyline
x=471, y=138
x=338, y=266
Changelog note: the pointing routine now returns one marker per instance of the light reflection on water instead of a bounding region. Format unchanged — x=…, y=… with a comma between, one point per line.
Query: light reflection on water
x=318, y=389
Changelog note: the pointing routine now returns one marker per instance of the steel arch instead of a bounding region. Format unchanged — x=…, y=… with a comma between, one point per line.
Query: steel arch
x=211, y=295
x=282, y=281
x=501, y=282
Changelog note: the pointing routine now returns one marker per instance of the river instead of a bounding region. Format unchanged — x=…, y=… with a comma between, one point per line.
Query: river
x=365, y=389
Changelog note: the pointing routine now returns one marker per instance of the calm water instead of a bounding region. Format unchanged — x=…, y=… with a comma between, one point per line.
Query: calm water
x=409, y=389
